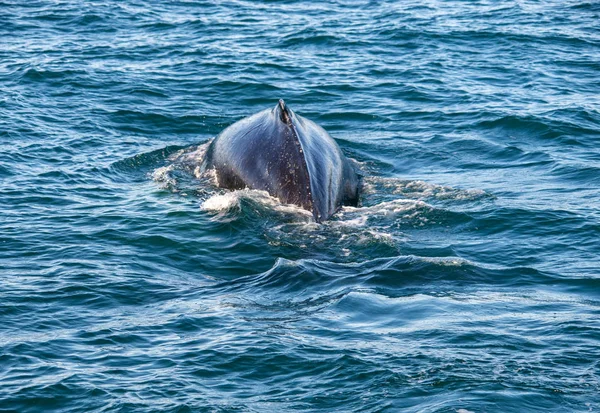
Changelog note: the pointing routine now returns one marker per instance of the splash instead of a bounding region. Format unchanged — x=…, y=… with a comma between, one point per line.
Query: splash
x=184, y=172
x=233, y=201
x=391, y=210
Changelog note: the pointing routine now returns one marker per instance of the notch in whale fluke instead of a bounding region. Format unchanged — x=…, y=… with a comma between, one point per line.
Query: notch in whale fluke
x=284, y=114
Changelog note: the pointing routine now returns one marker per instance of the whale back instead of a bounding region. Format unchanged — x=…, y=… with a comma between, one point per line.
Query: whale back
x=333, y=180
x=289, y=156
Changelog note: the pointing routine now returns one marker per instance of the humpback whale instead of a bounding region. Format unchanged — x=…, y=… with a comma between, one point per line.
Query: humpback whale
x=287, y=155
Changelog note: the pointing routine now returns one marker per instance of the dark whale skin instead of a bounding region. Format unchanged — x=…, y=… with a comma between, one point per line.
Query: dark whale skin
x=287, y=155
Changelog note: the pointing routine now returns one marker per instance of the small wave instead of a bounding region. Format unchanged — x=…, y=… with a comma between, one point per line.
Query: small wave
x=404, y=213
x=312, y=37
x=148, y=122
x=94, y=20
x=306, y=278
x=553, y=125
x=38, y=74
x=420, y=189
x=139, y=166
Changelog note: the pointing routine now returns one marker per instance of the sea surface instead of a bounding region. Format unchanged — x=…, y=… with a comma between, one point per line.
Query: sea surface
x=467, y=280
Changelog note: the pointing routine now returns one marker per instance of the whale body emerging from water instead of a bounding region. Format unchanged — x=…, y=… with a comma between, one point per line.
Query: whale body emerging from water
x=290, y=157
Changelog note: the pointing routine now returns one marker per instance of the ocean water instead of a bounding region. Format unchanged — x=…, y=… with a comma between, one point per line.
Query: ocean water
x=467, y=280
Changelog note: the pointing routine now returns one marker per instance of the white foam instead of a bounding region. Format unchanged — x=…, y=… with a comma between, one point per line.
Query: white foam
x=220, y=202
x=209, y=174
x=163, y=176
x=190, y=156
x=410, y=208
x=419, y=189
x=447, y=262
x=229, y=200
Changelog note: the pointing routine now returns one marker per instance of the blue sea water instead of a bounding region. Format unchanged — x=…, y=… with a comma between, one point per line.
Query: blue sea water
x=468, y=279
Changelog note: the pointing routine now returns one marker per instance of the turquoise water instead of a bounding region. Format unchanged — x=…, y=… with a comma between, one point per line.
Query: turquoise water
x=468, y=279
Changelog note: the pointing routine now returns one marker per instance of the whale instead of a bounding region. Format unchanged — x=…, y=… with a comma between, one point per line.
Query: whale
x=290, y=157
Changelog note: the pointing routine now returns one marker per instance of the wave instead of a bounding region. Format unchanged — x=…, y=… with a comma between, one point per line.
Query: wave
x=139, y=166
x=547, y=126
x=306, y=278
x=421, y=190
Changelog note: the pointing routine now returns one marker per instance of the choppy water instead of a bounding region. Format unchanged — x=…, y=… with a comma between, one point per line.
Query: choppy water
x=468, y=279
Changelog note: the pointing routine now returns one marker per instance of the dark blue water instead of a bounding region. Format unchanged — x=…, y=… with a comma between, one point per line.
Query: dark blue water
x=468, y=280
